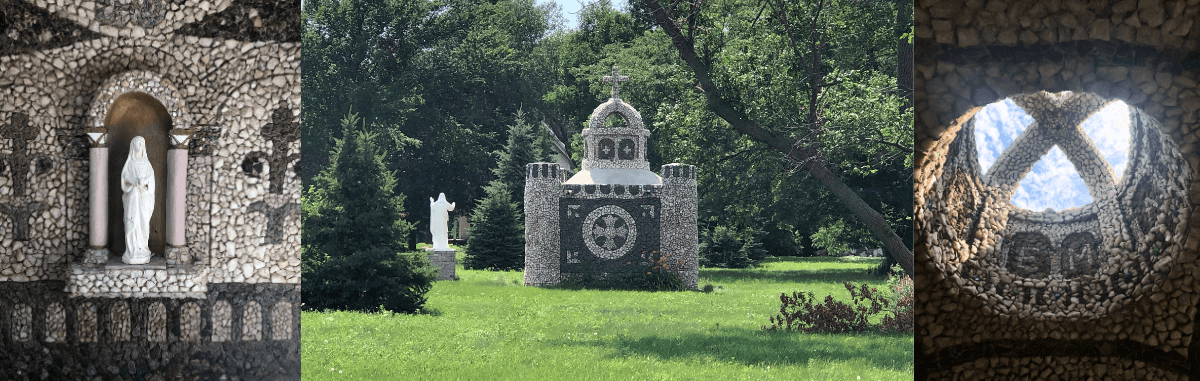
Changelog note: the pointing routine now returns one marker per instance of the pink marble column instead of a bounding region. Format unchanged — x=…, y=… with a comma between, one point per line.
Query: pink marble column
x=97, y=252
x=98, y=198
x=176, y=196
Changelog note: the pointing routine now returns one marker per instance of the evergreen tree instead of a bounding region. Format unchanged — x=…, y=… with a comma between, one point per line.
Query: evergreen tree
x=520, y=150
x=353, y=234
x=722, y=248
x=497, y=238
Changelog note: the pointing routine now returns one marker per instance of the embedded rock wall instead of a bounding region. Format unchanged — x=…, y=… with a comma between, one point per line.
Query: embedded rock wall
x=225, y=305
x=1109, y=290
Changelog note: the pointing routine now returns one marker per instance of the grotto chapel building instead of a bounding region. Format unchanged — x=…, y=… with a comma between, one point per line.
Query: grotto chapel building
x=213, y=87
x=1108, y=290
x=614, y=215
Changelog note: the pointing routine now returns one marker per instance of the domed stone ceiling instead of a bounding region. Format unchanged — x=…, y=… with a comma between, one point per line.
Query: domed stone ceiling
x=1080, y=262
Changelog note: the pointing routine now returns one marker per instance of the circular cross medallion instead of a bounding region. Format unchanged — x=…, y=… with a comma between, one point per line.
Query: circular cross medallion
x=609, y=231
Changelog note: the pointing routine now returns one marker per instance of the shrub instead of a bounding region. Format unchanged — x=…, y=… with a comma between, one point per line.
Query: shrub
x=497, y=238
x=655, y=275
x=722, y=248
x=901, y=319
x=799, y=313
x=352, y=232
x=369, y=280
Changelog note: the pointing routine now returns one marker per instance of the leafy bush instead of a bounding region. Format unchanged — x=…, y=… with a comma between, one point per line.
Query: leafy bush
x=722, y=248
x=901, y=319
x=655, y=275
x=352, y=232
x=799, y=312
x=497, y=237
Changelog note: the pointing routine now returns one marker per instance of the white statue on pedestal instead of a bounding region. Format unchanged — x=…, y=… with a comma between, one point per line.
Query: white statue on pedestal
x=137, y=183
x=439, y=216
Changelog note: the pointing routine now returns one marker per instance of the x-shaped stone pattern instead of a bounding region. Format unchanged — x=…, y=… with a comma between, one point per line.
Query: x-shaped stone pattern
x=1057, y=120
x=20, y=163
x=282, y=130
x=610, y=232
x=275, y=217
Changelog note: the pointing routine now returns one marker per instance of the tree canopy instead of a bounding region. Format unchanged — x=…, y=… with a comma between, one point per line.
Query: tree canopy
x=818, y=76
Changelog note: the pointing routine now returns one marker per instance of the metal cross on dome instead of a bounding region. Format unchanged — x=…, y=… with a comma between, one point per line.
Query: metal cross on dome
x=615, y=79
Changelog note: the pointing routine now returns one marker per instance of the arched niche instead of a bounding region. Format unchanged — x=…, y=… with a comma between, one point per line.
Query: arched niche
x=137, y=114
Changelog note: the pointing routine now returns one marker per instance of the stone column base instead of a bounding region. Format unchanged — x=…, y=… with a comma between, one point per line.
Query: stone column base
x=444, y=261
x=95, y=257
x=178, y=255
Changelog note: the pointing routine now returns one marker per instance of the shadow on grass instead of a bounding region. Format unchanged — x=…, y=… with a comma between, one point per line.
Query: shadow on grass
x=854, y=276
x=761, y=348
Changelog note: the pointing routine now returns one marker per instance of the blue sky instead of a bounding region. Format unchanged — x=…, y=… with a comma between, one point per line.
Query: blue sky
x=1053, y=182
x=570, y=9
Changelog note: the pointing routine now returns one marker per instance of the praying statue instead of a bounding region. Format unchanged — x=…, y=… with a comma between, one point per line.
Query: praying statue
x=438, y=217
x=137, y=184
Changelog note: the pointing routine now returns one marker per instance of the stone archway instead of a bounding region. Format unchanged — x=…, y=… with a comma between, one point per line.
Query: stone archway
x=137, y=114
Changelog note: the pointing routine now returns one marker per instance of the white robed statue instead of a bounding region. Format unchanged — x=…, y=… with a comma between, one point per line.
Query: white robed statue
x=439, y=216
x=137, y=183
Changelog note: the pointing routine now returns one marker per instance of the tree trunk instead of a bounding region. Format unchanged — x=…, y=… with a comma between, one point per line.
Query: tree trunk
x=810, y=162
x=904, y=54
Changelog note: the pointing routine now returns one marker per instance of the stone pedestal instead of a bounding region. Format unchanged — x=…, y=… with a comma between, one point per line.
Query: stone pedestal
x=444, y=261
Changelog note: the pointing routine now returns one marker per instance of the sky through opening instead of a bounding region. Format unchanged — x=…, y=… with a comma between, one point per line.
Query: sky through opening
x=1053, y=181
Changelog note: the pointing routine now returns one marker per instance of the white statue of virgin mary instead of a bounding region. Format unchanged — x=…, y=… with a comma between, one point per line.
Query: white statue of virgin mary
x=137, y=183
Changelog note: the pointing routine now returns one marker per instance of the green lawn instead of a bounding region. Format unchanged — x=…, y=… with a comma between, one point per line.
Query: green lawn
x=487, y=326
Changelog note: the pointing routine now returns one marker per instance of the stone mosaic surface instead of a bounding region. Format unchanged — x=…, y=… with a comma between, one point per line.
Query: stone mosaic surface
x=222, y=321
x=444, y=260
x=138, y=282
x=227, y=70
x=164, y=338
x=281, y=320
x=157, y=324
x=252, y=322
x=1133, y=315
x=245, y=83
x=251, y=20
x=604, y=228
x=31, y=28
x=56, y=323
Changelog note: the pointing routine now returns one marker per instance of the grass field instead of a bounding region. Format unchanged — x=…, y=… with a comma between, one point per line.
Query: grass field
x=486, y=326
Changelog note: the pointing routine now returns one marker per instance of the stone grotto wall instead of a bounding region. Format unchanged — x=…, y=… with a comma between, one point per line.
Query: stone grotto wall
x=226, y=303
x=1109, y=290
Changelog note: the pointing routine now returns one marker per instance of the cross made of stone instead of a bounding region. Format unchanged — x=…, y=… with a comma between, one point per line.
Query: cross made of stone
x=20, y=162
x=274, y=218
x=282, y=130
x=615, y=79
x=610, y=232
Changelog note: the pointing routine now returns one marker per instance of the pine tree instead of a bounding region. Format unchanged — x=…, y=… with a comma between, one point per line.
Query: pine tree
x=520, y=150
x=353, y=234
x=497, y=238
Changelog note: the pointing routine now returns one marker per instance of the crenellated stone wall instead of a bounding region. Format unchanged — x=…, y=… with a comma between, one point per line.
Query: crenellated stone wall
x=1109, y=290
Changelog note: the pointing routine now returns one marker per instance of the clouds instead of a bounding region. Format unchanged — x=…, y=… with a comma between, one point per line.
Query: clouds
x=1109, y=129
x=1053, y=182
x=996, y=125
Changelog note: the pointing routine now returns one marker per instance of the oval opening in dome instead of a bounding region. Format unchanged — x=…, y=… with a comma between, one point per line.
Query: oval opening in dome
x=996, y=126
x=1052, y=183
x=1109, y=130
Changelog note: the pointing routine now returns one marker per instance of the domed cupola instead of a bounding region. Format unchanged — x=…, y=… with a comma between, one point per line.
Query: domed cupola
x=615, y=154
